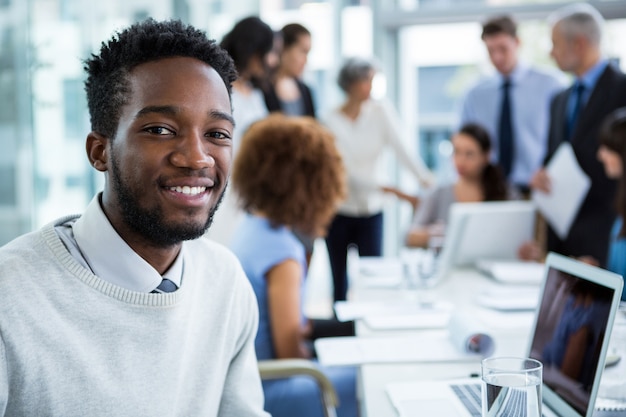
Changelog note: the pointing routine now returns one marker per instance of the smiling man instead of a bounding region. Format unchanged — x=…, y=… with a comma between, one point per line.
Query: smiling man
x=123, y=311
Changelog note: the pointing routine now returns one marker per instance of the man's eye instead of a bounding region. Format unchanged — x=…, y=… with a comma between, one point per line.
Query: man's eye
x=159, y=130
x=218, y=135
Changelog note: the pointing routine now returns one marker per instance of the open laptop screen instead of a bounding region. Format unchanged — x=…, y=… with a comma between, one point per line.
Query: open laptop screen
x=569, y=334
x=491, y=230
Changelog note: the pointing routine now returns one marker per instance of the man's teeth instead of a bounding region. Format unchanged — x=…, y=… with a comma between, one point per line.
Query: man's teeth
x=188, y=190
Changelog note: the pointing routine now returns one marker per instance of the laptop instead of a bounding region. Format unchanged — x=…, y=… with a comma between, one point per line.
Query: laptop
x=569, y=386
x=485, y=231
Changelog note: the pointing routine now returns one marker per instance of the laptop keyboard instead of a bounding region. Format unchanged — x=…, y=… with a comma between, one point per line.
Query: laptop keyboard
x=470, y=396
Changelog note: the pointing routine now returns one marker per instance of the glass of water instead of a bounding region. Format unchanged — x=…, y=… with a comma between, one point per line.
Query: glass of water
x=511, y=387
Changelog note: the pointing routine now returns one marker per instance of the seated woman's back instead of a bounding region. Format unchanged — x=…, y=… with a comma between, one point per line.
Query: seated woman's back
x=289, y=177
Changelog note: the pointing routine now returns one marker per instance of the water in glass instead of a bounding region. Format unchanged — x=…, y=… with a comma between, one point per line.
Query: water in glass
x=511, y=395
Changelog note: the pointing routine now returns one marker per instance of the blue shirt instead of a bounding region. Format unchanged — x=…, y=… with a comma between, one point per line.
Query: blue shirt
x=617, y=253
x=259, y=248
x=589, y=81
x=531, y=93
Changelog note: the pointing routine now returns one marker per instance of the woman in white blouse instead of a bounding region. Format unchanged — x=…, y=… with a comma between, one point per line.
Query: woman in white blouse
x=364, y=128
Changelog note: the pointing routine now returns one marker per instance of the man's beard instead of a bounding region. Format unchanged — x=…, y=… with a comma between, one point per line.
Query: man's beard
x=149, y=223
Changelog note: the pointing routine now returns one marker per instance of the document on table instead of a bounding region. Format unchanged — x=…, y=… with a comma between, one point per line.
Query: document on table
x=355, y=310
x=517, y=298
x=376, y=272
x=425, y=319
x=569, y=186
x=463, y=339
x=512, y=272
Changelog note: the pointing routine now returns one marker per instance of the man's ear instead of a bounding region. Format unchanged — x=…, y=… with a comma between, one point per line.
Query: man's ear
x=97, y=151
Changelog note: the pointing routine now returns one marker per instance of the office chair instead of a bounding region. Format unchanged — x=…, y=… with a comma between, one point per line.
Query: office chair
x=285, y=368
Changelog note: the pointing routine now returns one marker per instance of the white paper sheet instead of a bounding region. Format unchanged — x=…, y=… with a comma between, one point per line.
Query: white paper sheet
x=509, y=299
x=349, y=351
x=435, y=319
x=376, y=266
x=513, y=272
x=354, y=310
x=569, y=186
x=463, y=339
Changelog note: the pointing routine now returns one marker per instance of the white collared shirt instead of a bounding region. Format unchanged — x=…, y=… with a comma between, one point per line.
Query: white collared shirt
x=93, y=242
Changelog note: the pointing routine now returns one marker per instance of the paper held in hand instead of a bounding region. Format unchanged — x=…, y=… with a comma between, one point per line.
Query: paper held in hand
x=569, y=186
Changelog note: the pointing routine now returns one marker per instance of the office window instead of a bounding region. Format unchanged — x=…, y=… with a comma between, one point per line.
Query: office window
x=8, y=192
x=69, y=10
x=74, y=107
x=452, y=7
x=295, y=4
x=8, y=85
x=439, y=87
x=437, y=96
x=15, y=185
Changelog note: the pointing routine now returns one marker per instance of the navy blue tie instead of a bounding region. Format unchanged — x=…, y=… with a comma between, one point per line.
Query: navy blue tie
x=505, y=157
x=577, y=91
x=165, y=286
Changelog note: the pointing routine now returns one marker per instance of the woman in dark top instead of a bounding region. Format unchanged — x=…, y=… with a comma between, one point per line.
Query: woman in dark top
x=288, y=93
x=478, y=180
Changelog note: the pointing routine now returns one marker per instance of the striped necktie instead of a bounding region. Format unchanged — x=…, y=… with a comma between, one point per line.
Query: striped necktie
x=165, y=286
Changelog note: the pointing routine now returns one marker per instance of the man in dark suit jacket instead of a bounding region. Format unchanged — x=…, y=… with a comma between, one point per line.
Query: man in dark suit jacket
x=576, y=35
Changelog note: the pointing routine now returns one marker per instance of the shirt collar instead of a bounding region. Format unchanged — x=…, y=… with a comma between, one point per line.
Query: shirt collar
x=119, y=264
x=590, y=78
x=520, y=70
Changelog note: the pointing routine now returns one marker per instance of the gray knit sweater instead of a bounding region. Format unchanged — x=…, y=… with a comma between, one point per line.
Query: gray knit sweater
x=72, y=344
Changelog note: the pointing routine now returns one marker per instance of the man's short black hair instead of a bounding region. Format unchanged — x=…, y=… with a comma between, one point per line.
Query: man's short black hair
x=107, y=73
x=499, y=24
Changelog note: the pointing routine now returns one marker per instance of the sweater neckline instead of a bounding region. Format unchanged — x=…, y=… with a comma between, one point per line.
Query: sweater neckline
x=67, y=261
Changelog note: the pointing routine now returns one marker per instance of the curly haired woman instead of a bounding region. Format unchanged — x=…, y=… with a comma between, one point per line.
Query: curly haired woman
x=289, y=177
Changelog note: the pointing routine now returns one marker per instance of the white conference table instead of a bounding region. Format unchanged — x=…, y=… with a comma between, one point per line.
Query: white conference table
x=460, y=288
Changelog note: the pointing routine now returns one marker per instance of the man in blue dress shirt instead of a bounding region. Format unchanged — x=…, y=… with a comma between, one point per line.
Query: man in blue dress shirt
x=513, y=104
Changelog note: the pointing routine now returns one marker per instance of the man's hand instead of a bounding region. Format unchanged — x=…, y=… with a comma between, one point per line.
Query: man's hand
x=590, y=260
x=530, y=251
x=541, y=181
